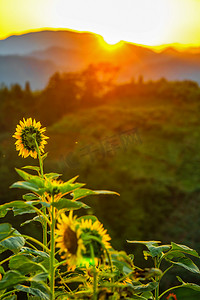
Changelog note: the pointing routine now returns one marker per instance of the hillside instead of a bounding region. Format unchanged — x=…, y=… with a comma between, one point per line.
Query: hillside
x=143, y=145
x=67, y=51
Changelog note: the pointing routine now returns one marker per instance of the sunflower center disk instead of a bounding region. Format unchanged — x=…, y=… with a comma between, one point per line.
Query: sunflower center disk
x=28, y=137
x=70, y=241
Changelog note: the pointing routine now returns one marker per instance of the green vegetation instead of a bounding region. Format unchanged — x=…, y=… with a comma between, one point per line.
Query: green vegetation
x=156, y=170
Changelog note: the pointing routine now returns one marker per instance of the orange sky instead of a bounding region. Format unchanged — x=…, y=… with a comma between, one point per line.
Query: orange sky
x=147, y=22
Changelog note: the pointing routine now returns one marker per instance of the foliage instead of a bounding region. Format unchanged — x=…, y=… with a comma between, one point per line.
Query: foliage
x=158, y=179
x=90, y=268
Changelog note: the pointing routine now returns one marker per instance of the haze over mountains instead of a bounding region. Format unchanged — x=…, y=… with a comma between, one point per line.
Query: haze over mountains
x=34, y=57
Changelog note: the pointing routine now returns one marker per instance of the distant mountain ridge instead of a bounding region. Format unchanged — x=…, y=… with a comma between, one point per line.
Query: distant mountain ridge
x=34, y=57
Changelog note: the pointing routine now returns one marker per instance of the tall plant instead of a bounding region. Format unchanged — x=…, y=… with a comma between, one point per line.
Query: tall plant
x=74, y=259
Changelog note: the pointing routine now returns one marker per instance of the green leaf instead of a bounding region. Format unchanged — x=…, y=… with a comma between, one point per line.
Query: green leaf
x=68, y=187
x=38, y=181
x=153, y=247
x=11, y=297
x=137, y=297
x=5, y=231
x=23, y=264
x=14, y=243
x=147, y=295
x=18, y=207
x=25, y=185
x=35, y=252
x=146, y=287
x=33, y=291
x=35, y=219
x=52, y=175
x=3, y=211
x=44, y=156
x=30, y=196
x=2, y=270
x=81, y=193
x=26, y=176
x=184, y=249
x=40, y=277
x=68, y=204
x=34, y=168
x=73, y=179
x=23, y=210
x=10, y=279
x=157, y=250
x=186, y=263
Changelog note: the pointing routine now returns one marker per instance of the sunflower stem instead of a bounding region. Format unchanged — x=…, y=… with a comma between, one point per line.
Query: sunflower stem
x=44, y=223
x=39, y=157
x=94, y=273
x=157, y=265
x=52, y=253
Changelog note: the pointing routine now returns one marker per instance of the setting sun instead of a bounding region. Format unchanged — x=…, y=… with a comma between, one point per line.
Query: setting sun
x=111, y=40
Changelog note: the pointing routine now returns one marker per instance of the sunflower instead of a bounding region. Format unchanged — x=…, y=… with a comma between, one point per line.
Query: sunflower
x=53, y=189
x=97, y=231
x=69, y=240
x=26, y=133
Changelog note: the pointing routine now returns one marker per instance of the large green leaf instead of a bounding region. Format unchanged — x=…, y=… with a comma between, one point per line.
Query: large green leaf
x=35, y=219
x=186, y=263
x=147, y=295
x=18, y=207
x=2, y=270
x=146, y=287
x=25, y=185
x=52, y=175
x=30, y=196
x=14, y=243
x=5, y=231
x=40, y=277
x=26, y=176
x=10, y=297
x=28, y=250
x=24, y=265
x=23, y=210
x=184, y=249
x=68, y=187
x=153, y=247
x=68, y=204
x=10, y=279
x=34, y=168
x=81, y=193
x=157, y=250
x=33, y=291
x=137, y=297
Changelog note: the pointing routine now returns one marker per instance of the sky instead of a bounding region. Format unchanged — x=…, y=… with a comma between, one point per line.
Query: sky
x=146, y=22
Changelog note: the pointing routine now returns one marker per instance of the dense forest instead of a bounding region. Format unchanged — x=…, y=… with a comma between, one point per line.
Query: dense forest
x=140, y=139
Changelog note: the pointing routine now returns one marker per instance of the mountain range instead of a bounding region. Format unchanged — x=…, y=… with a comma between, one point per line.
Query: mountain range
x=35, y=56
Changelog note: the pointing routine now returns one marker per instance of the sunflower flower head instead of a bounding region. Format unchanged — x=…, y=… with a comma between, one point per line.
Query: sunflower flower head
x=27, y=133
x=69, y=240
x=53, y=188
x=94, y=235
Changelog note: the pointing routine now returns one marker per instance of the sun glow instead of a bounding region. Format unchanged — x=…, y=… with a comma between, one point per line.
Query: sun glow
x=110, y=39
x=109, y=44
x=144, y=22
